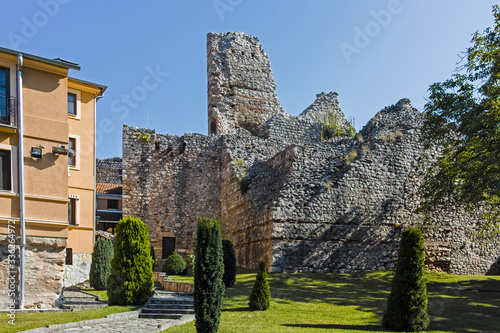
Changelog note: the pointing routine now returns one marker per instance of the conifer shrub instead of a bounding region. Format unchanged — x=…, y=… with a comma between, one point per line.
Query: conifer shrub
x=174, y=264
x=101, y=263
x=407, y=303
x=229, y=277
x=209, y=269
x=260, y=298
x=131, y=278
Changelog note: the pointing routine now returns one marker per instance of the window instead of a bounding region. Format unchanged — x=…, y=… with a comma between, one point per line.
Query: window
x=168, y=247
x=69, y=256
x=72, y=155
x=112, y=204
x=72, y=211
x=5, y=170
x=72, y=104
x=213, y=126
x=4, y=96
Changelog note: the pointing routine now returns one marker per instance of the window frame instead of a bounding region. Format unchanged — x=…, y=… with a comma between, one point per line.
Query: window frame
x=77, y=106
x=76, y=166
x=13, y=168
x=72, y=198
x=117, y=204
x=69, y=256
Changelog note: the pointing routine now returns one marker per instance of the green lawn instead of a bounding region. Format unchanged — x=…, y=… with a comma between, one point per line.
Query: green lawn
x=27, y=321
x=355, y=303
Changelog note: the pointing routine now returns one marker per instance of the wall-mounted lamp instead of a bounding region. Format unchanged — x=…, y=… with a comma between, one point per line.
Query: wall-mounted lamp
x=36, y=152
x=60, y=150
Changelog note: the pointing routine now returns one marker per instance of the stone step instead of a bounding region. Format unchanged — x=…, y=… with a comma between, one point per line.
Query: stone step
x=83, y=305
x=173, y=293
x=160, y=316
x=168, y=311
x=169, y=306
x=171, y=301
x=79, y=299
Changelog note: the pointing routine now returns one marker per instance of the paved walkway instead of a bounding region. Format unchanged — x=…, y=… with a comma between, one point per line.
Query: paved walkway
x=132, y=326
x=127, y=322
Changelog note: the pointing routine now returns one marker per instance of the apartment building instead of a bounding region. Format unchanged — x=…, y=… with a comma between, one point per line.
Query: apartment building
x=47, y=178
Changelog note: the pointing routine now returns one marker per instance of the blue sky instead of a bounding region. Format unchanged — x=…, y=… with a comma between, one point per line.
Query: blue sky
x=372, y=53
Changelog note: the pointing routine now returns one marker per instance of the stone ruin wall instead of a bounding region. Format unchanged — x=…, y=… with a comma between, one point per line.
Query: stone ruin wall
x=109, y=170
x=169, y=183
x=44, y=263
x=282, y=194
x=241, y=87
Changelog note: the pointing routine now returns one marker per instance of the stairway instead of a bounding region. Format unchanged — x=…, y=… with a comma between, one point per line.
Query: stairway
x=78, y=300
x=168, y=305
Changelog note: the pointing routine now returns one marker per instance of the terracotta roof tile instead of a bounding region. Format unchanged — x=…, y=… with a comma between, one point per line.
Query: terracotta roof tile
x=103, y=188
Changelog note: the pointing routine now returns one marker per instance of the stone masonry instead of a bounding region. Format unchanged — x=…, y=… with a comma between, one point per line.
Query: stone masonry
x=109, y=170
x=44, y=262
x=283, y=194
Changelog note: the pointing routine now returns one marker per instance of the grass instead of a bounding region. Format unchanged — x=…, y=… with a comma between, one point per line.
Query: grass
x=355, y=303
x=27, y=321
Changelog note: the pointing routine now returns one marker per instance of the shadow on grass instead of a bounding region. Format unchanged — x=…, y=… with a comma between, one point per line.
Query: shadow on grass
x=355, y=328
x=461, y=307
x=454, y=305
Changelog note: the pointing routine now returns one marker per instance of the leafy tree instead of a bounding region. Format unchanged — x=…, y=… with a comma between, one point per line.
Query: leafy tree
x=260, y=298
x=462, y=117
x=229, y=256
x=209, y=269
x=131, y=278
x=101, y=263
x=407, y=303
x=174, y=264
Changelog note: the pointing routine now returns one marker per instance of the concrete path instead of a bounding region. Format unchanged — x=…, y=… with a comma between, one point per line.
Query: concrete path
x=116, y=323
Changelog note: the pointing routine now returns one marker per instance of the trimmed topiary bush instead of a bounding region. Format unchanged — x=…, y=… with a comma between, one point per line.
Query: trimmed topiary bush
x=174, y=264
x=260, y=298
x=229, y=256
x=209, y=268
x=131, y=278
x=407, y=303
x=101, y=263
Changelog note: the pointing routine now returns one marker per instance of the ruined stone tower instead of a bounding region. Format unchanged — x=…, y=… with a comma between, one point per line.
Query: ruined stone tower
x=280, y=191
x=241, y=88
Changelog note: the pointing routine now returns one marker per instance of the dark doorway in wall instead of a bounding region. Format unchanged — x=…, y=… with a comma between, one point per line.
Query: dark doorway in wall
x=168, y=247
x=213, y=126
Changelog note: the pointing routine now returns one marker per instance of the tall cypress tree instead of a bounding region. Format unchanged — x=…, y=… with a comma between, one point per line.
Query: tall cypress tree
x=209, y=268
x=131, y=278
x=407, y=303
x=229, y=277
x=101, y=263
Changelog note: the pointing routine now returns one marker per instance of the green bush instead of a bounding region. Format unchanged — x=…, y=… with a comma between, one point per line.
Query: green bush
x=229, y=277
x=101, y=263
x=260, y=298
x=131, y=278
x=174, y=265
x=209, y=268
x=407, y=303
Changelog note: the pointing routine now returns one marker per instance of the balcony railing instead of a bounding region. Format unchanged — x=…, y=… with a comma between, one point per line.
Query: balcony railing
x=8, y=113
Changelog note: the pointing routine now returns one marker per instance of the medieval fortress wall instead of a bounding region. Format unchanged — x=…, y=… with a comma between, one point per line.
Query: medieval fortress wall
x=283, y=194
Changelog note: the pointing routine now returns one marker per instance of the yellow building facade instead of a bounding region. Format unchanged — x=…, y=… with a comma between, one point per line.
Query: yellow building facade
x=56, y=171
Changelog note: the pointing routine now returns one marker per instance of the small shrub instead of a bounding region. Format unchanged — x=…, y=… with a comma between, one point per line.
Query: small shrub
x=131, y=278
x=351, y=157
x=260, y=298
x=407, y=303
x=101, y=263
x=229, y=277
x=208, y=286
x=331, y=127
x=174, y=264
